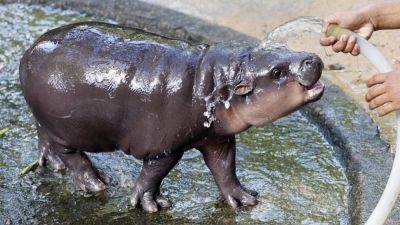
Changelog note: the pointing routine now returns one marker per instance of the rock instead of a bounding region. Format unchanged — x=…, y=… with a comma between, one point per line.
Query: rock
x=335, y=66
x=8, y=221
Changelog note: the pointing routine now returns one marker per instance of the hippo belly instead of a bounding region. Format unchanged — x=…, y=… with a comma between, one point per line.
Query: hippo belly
x=97, y=87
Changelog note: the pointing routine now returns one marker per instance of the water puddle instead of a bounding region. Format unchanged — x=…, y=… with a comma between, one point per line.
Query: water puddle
x=290, y=163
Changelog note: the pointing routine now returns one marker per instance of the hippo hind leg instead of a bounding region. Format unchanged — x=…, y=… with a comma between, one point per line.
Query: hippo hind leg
x=220, y=159
x=86, y=176
x=47, y=157
x=146, y=190
x=59, y=157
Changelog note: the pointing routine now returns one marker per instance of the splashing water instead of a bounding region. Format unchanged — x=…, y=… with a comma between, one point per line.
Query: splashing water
x=280, y=35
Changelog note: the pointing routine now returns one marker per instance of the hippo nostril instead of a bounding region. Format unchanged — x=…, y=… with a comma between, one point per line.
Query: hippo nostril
x=308, y=63
x=312, y=64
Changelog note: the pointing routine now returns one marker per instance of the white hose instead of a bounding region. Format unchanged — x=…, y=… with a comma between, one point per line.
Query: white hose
x=392, y=189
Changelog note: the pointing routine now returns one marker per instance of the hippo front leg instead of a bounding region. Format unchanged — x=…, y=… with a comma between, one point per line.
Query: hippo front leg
x=146, y=190
x=220, y=159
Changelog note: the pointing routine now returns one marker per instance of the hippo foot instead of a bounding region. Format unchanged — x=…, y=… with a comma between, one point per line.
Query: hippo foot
x=237, y=196
x=150, y=201
x=91, y=180
x=87, y=177
x=49, y=158
x=250, y=191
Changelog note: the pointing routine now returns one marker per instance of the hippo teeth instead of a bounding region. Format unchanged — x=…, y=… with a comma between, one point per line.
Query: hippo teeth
x=317, y=85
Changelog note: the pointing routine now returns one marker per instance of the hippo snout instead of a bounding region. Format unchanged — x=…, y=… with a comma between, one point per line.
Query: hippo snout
x=310, y=70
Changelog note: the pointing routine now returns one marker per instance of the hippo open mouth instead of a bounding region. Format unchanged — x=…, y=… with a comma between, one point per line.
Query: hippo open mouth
x=314, y=92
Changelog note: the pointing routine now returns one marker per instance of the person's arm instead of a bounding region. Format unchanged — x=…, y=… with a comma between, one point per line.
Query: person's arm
x=365, y=21
x=384, y=15
x=383, y=89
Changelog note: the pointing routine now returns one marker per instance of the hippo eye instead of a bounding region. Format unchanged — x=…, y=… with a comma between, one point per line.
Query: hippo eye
x=276, y=73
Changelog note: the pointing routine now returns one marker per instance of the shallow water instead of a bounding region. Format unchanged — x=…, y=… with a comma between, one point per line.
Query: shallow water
x=290, y=163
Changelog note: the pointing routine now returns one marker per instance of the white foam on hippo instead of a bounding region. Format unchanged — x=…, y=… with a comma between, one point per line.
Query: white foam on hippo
x=211, y=102
x=209, y=113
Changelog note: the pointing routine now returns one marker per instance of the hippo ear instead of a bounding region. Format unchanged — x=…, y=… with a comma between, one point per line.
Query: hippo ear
x=243, y=88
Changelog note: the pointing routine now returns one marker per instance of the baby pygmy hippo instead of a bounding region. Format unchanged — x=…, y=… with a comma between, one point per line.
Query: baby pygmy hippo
x=97, y=87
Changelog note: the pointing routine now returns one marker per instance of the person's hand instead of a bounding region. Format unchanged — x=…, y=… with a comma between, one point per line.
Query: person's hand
x=357, y=21
x=384, y=91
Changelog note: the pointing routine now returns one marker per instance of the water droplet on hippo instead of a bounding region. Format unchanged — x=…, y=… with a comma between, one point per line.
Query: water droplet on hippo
x=227, y=104
x=248, y=100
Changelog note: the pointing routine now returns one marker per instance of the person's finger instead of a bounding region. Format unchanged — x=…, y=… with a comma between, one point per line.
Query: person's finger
x=376, y=79
x=379, y=101
x=325, y=25
x=375, y=91
x=386, y=109
x=327, y=41
x=328, y=20
x=350, y=44
x=341, y=44
x=356, y=50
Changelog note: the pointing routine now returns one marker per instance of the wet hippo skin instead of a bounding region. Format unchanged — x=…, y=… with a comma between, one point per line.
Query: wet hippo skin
x=96, y=87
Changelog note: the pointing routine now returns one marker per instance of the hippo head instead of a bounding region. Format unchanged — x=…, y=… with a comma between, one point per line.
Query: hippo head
x=272, y=84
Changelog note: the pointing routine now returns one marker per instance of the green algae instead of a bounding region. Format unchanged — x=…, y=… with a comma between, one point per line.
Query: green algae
x=3, y=131
x=30, y=168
